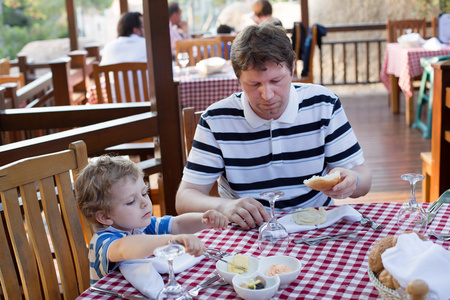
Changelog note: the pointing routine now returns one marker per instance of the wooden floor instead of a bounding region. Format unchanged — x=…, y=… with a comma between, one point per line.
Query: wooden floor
x=390, y=147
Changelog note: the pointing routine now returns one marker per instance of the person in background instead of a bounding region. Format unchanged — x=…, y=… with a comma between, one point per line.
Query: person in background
x=262, y=11
x=224, y=29
x=113, y=196
x=272, y=136
x=178, y=27
x=130, y=44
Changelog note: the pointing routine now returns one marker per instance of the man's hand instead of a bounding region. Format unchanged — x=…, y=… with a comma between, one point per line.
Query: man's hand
x=246, y=212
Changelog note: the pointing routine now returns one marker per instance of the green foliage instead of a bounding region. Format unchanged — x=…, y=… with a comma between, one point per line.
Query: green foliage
x=14, y=38
x=32, y=20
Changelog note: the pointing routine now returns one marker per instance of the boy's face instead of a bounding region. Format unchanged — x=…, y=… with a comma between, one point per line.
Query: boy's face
x=131, y=206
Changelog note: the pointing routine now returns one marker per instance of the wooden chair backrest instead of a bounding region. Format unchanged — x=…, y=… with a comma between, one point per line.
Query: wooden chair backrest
x=396, y=28
x=190, y=121
x=4, y=66
x=19, y=79
x=199, y=49
x=123, y=82
x=310, y=77
x=226, y=40
x=37, y=194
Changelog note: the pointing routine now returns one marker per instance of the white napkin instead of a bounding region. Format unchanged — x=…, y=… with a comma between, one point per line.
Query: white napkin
x=334, y=215
x=413, y=258
x=144, y=274
x=433, y=44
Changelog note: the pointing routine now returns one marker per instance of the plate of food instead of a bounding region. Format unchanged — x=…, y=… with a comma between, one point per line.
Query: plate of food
x=310, y=218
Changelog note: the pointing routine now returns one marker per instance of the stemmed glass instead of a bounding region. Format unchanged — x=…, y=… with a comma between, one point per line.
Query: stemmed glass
x=411, y=216
x=172, y=290
x=273, y=237
x=183, y=59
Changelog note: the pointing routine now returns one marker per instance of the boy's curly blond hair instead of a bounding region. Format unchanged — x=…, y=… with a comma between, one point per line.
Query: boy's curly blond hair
x=94, y=182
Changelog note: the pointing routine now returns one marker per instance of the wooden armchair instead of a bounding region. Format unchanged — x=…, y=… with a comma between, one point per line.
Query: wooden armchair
x=226, y=42
x=396, y=28
x=123, y=82
x=18, y=79
x=199, y=49
x=37, y=194
x=4, y=66
x=297, y=76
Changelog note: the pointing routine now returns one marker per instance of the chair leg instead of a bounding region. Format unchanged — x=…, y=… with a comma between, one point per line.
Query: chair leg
x=426, y=171
x=422, y=100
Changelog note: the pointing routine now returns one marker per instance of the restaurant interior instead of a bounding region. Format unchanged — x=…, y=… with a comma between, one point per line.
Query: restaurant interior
x=396, y=95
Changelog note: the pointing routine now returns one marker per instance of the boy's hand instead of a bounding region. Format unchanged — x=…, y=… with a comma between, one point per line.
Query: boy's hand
x=215, y=219
x=193, y=244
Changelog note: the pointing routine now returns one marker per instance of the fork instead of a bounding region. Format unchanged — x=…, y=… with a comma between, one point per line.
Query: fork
x=366, y=221
x=440, y=236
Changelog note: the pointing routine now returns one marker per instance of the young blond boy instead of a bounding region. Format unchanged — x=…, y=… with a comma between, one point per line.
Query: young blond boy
x=112, y=194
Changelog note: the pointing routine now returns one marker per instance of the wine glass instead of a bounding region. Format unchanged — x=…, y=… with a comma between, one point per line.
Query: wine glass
x=172, y=290
x=411, y=216
x=183, y=59
x=273, y=237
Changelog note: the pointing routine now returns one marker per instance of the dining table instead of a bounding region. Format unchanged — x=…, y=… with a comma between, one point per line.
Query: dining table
x=400, y=65
x=201, y=90
x=331, y=270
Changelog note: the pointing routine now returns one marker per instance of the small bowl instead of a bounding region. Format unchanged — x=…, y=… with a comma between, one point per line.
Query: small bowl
x=272, y=284
x=286, y=278
x=253, y=265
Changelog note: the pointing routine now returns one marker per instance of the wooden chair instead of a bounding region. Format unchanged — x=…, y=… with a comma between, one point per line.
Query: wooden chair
x=436, y=164
x=190, y=121
x=396, y=28
x=18, y=79
x=297, y=76
x=226, y=41
x=4, y=66
x=123, y=82
x=37, y=194
x=199, y=49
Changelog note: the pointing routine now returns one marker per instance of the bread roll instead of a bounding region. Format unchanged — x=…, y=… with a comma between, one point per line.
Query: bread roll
x=386, y=279
x=375, y=263
x=417, y=289
x=323, y=183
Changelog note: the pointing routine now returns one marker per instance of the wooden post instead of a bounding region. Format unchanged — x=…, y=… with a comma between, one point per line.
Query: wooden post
x=123, y=6
x=440, y=136
x=164, y=99
x=72, y=23
x=304, y=12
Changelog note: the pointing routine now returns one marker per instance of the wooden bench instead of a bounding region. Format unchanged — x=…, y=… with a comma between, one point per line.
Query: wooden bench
x=436, y=164
x=29, y=67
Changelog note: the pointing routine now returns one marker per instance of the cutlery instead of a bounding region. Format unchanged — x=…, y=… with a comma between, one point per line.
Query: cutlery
x=435, y=206
x=440, y=236
x=117, y=294
x=346, y=238
x=366, y=221
x=194, y=291
x=325, y=237
x=209, y=255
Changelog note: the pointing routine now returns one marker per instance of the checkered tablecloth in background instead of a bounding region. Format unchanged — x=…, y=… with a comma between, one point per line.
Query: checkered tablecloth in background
x=332, y=270
x=200, y=92
x=404, y=63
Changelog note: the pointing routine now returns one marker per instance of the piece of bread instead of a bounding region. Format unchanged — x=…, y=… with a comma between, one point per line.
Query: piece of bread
x=323, y=183
x=377, y=249
x=386, y=279
x=417, y=289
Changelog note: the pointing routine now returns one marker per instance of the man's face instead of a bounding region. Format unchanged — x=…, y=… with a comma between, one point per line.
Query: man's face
x=267, y=91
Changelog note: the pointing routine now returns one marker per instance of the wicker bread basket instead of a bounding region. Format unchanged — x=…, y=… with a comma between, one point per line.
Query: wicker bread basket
x=385, y=292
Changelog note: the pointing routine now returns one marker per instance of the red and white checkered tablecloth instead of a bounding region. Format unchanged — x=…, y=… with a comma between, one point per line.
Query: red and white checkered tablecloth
x=404, y=63
x=332, y=270
x=201, y=92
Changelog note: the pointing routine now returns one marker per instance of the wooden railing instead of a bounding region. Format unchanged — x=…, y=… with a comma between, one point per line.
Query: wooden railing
x=353, y=61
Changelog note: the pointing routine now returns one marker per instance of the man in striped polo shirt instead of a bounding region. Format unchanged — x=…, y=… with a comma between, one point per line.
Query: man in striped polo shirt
x=272, y=136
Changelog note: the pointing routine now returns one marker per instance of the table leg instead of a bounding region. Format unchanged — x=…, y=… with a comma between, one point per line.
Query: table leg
x=409, y=110
x=394, y=96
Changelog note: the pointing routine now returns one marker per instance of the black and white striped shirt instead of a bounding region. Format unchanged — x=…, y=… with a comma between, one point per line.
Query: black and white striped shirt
x=253, y=155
